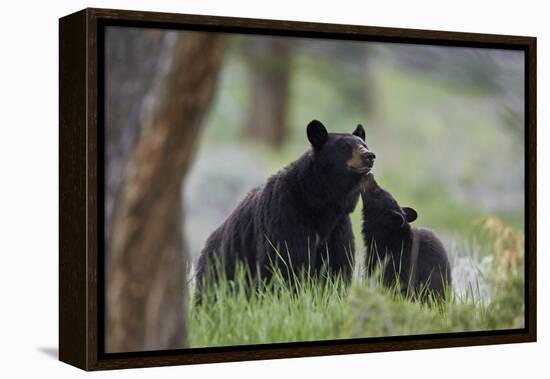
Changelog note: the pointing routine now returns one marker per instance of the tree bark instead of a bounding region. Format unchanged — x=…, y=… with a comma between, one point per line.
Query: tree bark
x=132, y=56
x=146, y=261
x=269, y=61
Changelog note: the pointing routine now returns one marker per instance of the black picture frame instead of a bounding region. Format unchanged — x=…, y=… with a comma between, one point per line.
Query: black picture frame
x=81, y=160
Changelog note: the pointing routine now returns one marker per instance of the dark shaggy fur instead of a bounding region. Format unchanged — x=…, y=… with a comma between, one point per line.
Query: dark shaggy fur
x=389, y=238
x=302, y=212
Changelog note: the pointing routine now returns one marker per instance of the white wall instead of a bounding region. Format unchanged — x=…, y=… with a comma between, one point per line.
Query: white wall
x=29, y=175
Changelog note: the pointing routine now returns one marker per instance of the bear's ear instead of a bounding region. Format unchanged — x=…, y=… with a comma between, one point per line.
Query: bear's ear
x=410, y=214
x=359, y=132
x=316, y=134
x=396, y=219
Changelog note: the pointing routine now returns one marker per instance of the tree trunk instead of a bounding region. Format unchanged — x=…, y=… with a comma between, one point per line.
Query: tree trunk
x=269, y=64
x=146, y=261
x=133, y=56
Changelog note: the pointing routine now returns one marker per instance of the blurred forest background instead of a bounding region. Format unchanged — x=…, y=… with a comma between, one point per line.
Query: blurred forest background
x=195, y=120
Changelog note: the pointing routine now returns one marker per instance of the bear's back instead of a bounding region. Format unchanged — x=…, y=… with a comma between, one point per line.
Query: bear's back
x=432, y=262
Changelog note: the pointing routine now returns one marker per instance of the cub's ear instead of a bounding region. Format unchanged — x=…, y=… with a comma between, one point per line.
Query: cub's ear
x=317, y=134
x=396, y=219
x=410, y=214
x=359, y=132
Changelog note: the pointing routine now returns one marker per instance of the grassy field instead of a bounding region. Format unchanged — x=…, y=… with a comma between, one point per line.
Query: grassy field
x=331, y=311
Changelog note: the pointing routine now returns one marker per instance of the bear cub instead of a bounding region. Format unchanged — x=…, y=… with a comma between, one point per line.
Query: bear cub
x=414, y=258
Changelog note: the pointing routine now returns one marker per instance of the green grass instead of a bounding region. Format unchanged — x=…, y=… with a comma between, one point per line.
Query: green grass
x=273, y=313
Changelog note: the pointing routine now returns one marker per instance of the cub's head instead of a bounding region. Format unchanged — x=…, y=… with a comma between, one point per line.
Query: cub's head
x=341, y=155
x=381, y=209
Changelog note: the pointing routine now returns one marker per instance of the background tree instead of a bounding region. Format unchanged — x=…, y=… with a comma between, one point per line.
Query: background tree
x=153, y=125
x=269, y=63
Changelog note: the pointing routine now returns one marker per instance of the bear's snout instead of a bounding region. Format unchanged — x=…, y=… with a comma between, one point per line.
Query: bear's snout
x=362, y=160
x=368, y=157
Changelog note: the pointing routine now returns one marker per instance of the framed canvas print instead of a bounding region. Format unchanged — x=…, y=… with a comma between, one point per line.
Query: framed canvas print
x=238, y=189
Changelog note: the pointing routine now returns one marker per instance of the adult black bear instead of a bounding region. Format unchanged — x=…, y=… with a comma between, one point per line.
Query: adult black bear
x=415, y=258
x=298, y=220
